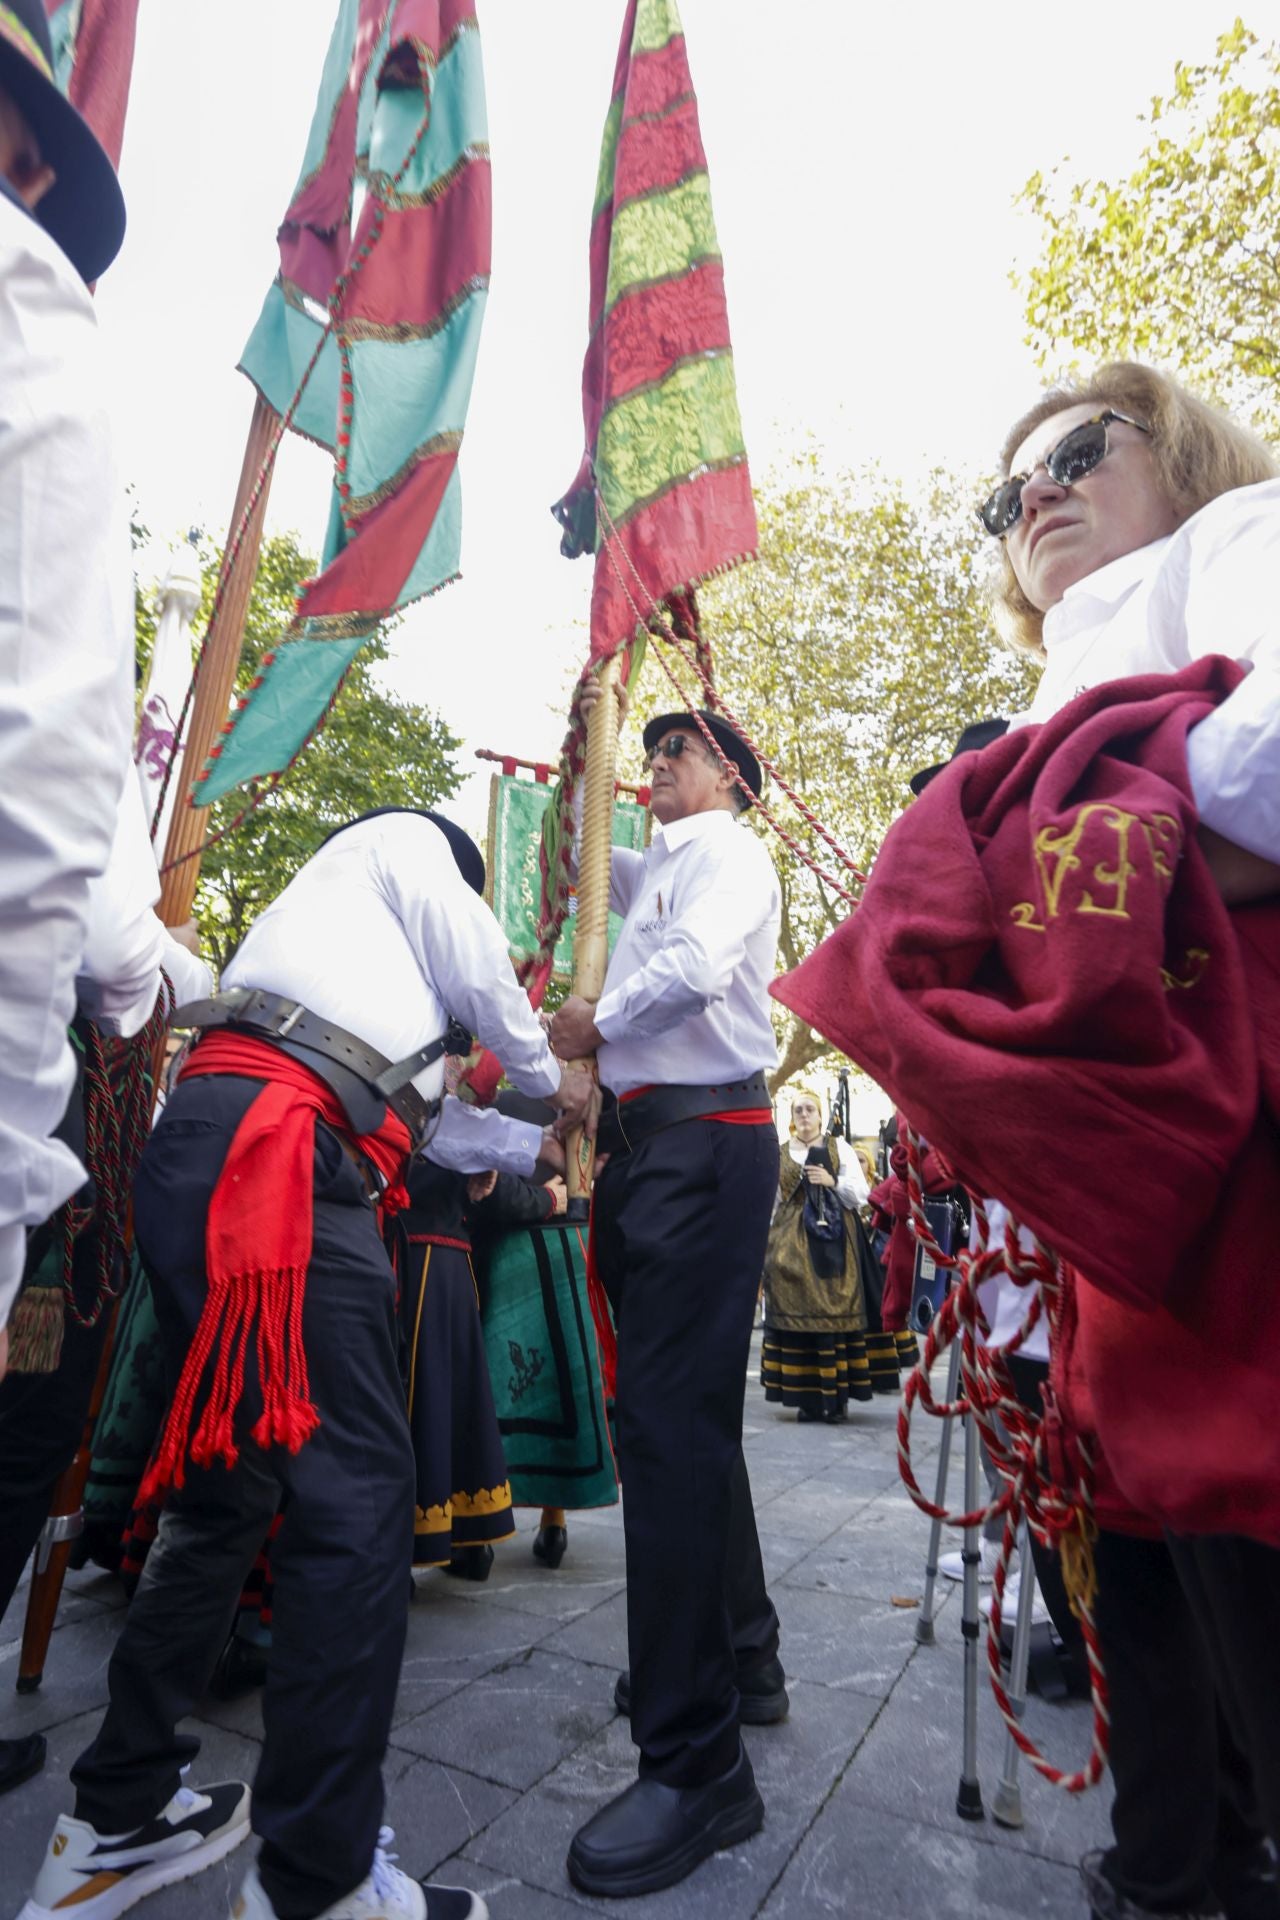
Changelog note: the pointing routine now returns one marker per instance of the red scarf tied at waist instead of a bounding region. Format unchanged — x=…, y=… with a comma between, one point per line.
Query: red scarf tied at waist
x=258, y=1240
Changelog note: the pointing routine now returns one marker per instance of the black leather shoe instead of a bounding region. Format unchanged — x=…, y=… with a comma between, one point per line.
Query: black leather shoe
x=241, y=1669
x=1248, y=1882
x=762, y=1695
x=20, y=1759
x=653, y=1835
x=470, y=1563
x=550, y=1545
x=1106, y=1902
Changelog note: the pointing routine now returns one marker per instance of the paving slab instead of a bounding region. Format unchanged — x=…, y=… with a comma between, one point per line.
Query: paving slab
x=910, y=1764
x=506, y=1739
x=75, y=1675
x=878, y=1554
x=84, y=1594
x=856, y=1862
x=517, y=1723
x=795, y=1763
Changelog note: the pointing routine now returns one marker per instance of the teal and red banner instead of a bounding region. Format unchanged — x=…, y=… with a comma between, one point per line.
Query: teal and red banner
x=370, y=334
x=93, y=42
x=663, y=496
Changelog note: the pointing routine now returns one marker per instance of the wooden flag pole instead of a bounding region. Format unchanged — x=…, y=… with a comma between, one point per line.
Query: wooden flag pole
x=591, y=924
x=189, y=825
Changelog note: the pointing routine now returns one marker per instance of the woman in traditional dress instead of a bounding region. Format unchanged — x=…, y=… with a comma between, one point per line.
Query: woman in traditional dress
x=817, y=1266
x=463, y=1501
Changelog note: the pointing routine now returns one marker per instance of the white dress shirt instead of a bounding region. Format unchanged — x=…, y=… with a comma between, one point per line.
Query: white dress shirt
x=1211, y=587
x=66, y=682
x=482, y=1140
x=126, y=942
x=851, y=1181
x=686, y=996
x=380, y=933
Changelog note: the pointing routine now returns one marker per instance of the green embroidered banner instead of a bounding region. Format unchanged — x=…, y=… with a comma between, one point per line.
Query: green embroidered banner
x=516, y=809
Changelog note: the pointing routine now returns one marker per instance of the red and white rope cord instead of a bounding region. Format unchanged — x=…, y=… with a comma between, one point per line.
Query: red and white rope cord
x=1014, y=1438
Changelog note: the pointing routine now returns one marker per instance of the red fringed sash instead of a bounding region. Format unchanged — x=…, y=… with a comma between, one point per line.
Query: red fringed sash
x=258, y=1241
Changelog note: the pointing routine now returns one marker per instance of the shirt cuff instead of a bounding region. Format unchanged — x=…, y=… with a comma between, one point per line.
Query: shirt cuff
x=1233, y=762
x=540, y=1082
x=611, y=1022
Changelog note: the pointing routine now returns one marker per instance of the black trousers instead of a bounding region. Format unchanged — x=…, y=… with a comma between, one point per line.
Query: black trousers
x=1028, y=1377
x=339, y=1562
x=1184, y=1816
x=41, y=1419
x=1232, y=1587
x=680, y=1227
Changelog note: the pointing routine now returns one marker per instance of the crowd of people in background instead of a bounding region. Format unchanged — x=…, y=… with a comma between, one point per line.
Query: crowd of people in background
x=345, y=1286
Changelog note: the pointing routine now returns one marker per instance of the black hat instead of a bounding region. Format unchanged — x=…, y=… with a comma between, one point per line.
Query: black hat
x=84, y=209
x=730, y=742
x=972, y=740
x=466, y=854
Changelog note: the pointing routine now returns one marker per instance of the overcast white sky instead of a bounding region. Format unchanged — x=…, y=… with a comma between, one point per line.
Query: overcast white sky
x=863, y=164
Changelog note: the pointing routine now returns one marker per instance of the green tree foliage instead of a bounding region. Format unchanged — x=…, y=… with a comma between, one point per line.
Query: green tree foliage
x=1179, y=263
x=854, y=651
x=375, y=750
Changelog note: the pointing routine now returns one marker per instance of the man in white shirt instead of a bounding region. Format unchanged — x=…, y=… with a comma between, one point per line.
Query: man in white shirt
x=292, y=1338
x=66, y=615
x=681, y=1213
x=42, y=1412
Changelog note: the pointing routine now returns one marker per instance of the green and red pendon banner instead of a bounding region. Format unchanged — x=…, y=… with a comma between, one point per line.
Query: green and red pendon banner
x=370, y=334
x=663, y=496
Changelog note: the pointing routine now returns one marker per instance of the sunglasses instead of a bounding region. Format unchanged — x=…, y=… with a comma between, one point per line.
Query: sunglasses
x=672, y=747
x=1076, y=454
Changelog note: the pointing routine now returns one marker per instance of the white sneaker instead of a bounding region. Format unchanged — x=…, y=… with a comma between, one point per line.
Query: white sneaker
x=1009, y=1605
x=387, y=1894
x=94, y=1876
x=951, y=1565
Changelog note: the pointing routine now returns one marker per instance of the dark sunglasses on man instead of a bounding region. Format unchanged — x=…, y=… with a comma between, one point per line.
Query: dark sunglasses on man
x=1076, y=454
x=672, y=747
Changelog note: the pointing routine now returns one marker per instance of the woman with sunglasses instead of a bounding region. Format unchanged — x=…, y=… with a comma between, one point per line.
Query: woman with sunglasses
x=1139, y=530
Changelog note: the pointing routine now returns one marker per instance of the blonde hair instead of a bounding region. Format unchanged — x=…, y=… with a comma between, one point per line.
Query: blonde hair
x=803, y=1093
x=1199, y=452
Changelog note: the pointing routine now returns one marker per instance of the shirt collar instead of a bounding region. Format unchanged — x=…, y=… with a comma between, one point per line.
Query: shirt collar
x=1106, y=587
x=694, y=826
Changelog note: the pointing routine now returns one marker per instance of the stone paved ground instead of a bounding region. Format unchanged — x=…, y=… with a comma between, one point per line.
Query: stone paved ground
x=506, y=1738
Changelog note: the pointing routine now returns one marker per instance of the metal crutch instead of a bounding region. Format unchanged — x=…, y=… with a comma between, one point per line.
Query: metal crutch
x=969, y=1794
x=925, y=1635
x=1006, y=1808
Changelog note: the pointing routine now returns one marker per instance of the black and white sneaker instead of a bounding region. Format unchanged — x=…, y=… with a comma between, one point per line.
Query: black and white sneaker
x=386, y=1894
x=95, y=1876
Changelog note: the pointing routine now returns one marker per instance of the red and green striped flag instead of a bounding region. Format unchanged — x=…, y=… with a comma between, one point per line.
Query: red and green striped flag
x=663, y=496
x=370, y=334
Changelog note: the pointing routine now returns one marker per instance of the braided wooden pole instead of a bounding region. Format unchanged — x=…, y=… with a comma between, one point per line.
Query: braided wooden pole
x=591, y=927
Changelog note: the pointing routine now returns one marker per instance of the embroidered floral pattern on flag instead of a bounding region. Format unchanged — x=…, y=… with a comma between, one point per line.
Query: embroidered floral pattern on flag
x=665, y=473
x=370, y=335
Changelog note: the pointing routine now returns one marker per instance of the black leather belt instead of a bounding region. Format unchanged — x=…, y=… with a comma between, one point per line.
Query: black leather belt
x=624, y=1126
x=365, y=1081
